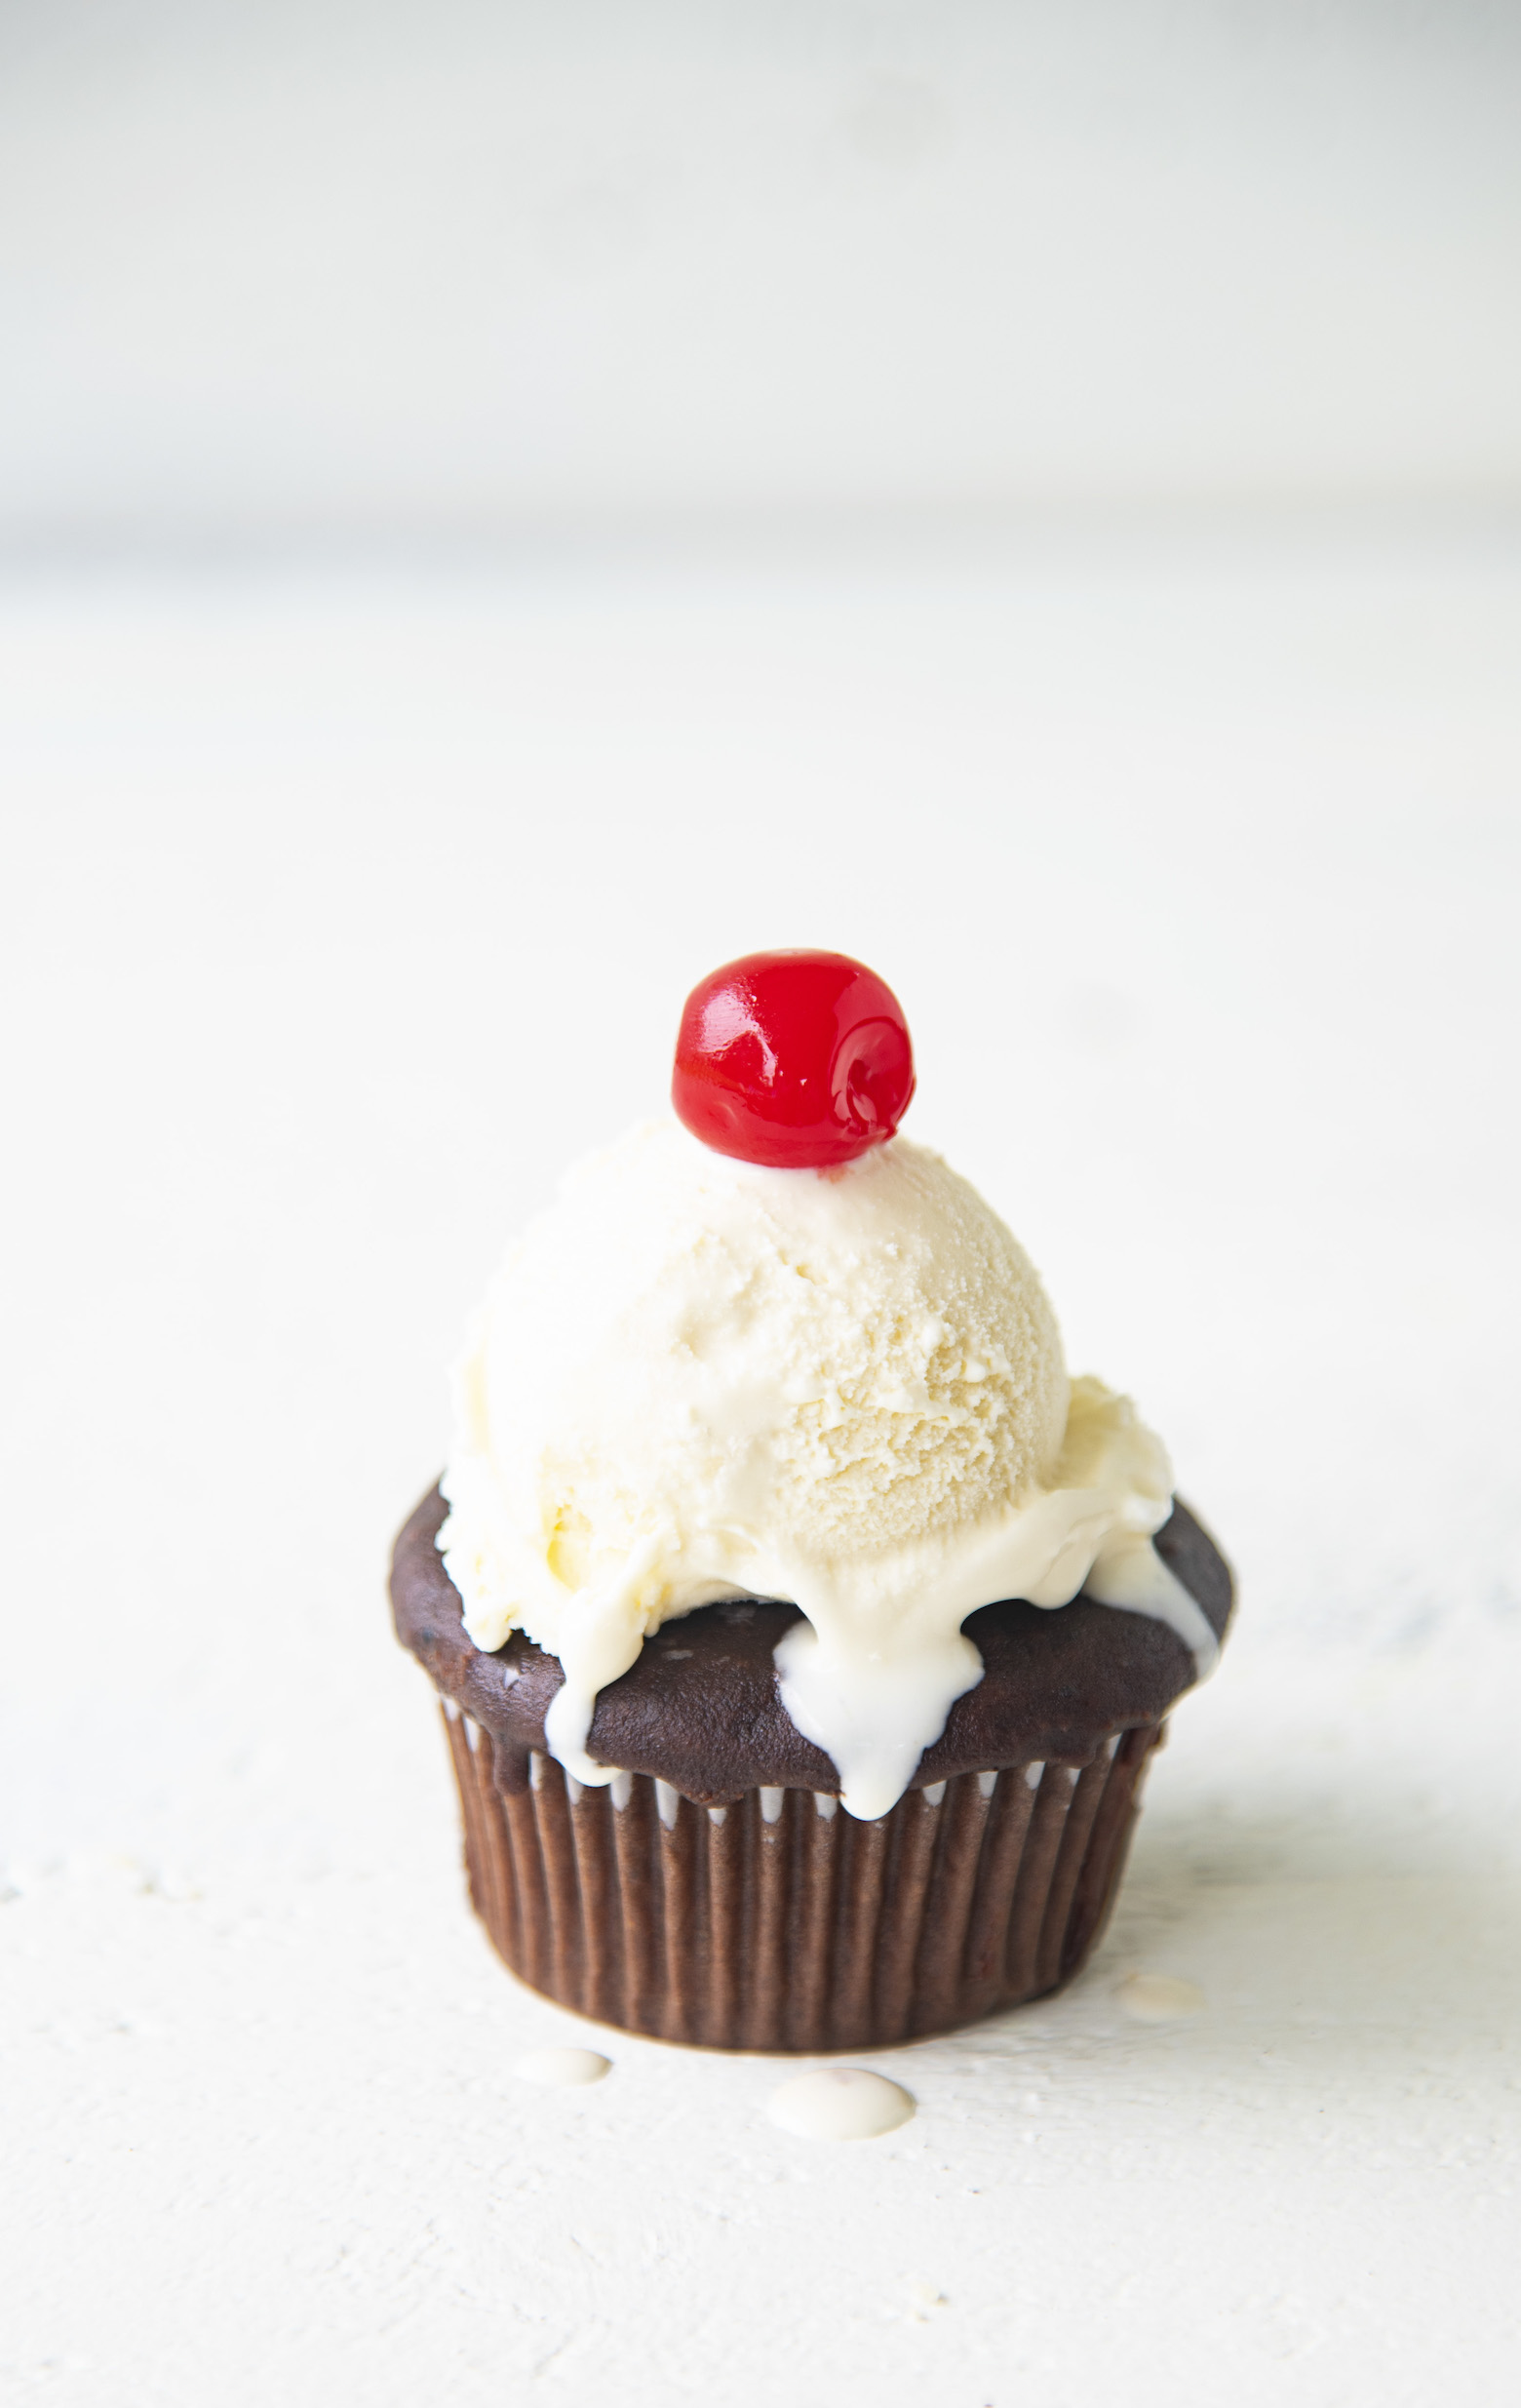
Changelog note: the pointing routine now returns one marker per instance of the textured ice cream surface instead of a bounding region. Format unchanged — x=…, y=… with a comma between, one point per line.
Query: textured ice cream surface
x=696, y=1379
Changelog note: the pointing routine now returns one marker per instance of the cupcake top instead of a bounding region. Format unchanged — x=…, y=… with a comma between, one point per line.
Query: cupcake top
x=811, y=1366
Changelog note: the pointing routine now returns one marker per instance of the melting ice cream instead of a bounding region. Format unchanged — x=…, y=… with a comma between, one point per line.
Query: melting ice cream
x=696, y=1379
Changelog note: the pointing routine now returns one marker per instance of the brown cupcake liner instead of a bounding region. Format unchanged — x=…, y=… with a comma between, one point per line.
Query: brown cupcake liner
x=780, y=1922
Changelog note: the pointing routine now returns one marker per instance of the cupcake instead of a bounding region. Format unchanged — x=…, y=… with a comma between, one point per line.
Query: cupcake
x=801, y=1631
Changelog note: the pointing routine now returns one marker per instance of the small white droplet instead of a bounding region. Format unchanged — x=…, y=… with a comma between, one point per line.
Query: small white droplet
x=668, y=1800
x=987, y=1783
x=1159, y=1997
x=621, y=1789
x=825, y=1805
x=840, y=2102
x=934, y=1793
x=561, y=2069
x=771, y=1803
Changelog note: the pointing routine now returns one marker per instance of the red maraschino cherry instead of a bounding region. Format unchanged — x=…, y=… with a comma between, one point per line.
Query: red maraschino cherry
x=795, y=1059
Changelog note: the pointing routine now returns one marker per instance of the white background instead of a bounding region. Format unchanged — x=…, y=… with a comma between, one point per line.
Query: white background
x=436, y=629
x=277, y=265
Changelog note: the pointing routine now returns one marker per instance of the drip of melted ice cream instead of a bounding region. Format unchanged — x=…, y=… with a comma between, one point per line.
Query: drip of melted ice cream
x=840, y=2102
x=696, y=1379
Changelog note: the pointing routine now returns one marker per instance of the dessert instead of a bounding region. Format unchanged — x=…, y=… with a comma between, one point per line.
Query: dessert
x=740, y=1590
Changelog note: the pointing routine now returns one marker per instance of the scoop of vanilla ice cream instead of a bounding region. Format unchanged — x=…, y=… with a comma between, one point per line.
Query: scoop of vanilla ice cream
x=696, y=1379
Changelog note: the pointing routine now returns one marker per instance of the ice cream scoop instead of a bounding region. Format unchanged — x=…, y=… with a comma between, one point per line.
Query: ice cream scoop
x=697, y=1377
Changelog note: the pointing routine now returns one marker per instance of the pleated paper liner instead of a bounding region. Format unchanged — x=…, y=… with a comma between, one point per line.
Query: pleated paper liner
x=781, y=1922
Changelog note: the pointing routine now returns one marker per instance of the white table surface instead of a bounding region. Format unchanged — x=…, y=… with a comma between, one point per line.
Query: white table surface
x=345, y=905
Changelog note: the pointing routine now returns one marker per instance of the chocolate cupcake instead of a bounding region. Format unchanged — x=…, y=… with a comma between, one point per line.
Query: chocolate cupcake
x=767, y=1480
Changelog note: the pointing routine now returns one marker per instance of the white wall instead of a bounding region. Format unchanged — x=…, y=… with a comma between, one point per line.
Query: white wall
x=432, y=262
